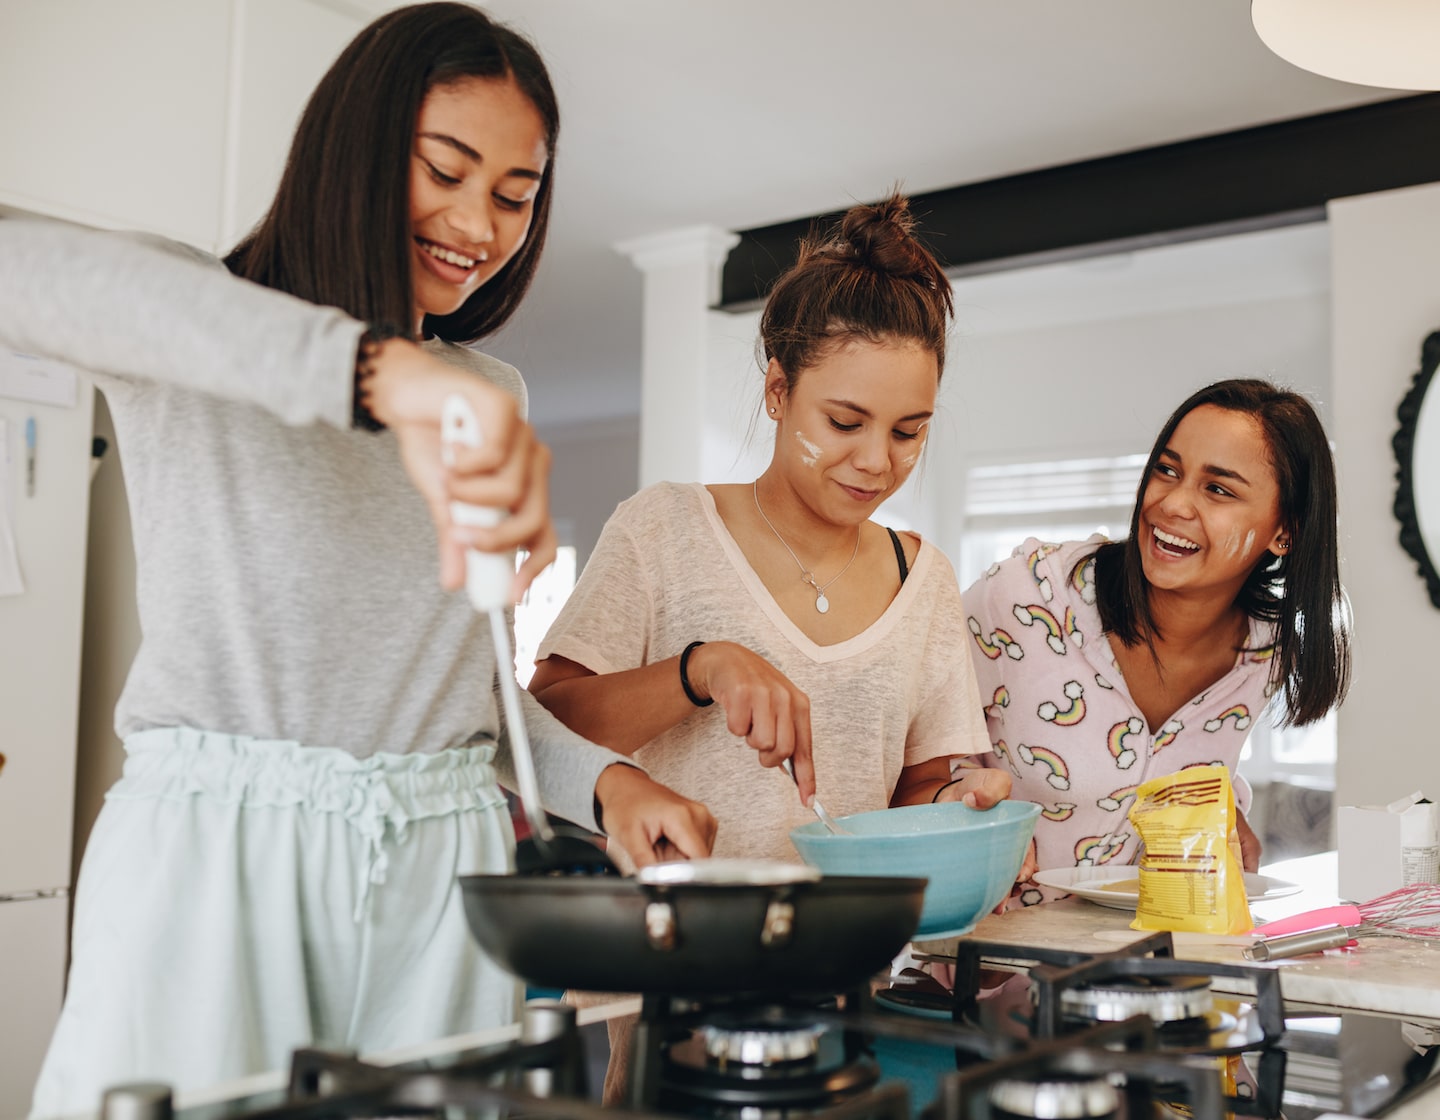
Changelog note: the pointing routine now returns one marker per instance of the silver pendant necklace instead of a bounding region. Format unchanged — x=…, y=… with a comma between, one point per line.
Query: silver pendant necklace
x=822, y=604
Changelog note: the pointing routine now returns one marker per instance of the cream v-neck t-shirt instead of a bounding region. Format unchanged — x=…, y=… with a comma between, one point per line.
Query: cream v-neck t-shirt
x=666, y=572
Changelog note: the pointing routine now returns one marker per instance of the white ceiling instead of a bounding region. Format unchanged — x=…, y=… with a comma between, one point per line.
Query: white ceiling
x=740, y=113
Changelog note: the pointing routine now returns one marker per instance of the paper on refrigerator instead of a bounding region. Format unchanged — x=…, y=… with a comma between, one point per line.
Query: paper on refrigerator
x=10, y=581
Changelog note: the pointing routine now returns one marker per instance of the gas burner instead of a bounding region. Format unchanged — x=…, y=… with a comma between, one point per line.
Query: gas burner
x=1076, y=1096
x=766, y=1046
x=694, y=1080
x=1166, y=999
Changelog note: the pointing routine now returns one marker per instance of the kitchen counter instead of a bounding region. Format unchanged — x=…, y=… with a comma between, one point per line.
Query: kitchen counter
x=1380, y=975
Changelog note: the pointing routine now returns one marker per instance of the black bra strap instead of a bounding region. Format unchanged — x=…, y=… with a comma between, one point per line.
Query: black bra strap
x=899, y=554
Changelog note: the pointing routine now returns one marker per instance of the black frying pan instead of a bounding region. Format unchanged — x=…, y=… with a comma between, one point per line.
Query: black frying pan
x=813, y=935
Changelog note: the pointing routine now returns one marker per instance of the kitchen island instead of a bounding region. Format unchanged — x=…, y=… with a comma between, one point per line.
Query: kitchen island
x=1387, y=976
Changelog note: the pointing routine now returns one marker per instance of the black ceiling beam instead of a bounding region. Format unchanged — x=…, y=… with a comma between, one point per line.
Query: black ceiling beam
x=1258, y=176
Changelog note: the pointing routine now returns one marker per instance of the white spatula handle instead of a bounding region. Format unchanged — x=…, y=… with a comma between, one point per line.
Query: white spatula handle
x=489, y=576
x=488, y=579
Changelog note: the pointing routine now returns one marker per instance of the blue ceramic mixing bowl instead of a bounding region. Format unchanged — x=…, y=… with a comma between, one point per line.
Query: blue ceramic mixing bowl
x=970, y=856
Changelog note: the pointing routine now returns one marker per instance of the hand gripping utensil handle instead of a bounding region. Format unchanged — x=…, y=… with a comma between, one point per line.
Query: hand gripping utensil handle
x=488, y=579
x=488, y=575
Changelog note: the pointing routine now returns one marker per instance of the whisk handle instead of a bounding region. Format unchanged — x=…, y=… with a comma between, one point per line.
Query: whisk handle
x=1311, y=919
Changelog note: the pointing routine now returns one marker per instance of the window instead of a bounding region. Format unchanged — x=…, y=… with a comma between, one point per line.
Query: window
x=538, y=609
x=1056, y=501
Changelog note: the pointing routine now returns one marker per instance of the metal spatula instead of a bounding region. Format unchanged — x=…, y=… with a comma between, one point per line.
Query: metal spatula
x=820, y=811
x=488, y=578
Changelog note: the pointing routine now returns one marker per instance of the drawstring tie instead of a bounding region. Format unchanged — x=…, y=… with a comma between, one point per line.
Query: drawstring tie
x=370, y=813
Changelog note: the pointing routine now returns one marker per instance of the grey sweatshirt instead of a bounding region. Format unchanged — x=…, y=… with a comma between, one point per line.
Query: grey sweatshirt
x=287, y=576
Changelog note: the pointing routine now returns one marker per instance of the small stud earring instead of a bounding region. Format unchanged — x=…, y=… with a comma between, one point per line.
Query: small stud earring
x=772, y=410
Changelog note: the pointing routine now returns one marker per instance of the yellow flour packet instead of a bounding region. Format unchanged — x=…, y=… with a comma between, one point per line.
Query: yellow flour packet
x=1191, y=874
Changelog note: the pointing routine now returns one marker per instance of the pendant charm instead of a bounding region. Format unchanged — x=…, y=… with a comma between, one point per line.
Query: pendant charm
x=822, y=604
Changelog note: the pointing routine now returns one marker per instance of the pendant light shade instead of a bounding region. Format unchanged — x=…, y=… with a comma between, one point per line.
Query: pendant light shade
x=1393, y=44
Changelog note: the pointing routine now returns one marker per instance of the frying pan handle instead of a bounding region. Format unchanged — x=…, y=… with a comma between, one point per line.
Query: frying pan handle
x=660, y=925
x=662, y=929
x=779, y=921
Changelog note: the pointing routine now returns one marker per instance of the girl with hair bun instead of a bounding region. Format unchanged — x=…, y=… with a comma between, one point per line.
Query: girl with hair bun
x=777, y=611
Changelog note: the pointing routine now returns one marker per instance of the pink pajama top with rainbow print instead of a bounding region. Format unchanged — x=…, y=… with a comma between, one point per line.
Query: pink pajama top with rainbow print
x=1061, y=719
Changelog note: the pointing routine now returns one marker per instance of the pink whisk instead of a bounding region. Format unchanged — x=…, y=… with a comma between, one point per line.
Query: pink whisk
x=1397, y=914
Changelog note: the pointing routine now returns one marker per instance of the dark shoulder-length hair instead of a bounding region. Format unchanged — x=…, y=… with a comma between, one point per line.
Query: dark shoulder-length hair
x=338, y=232
x=1299, y=592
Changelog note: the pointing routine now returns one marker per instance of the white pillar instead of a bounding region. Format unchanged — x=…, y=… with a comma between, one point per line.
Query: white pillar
x=682, y=281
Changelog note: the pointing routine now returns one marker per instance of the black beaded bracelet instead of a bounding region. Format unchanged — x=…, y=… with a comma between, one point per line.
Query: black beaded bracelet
x=365, y=355
x=685, y=681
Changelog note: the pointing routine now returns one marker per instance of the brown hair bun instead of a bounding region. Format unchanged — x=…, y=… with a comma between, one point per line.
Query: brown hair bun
x=870, y=279
x=882, y=236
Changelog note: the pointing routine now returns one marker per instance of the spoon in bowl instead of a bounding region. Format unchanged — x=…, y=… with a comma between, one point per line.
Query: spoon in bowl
x=820, y=811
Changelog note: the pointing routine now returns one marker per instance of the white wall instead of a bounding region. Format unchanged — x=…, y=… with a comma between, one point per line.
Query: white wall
x=1386, y=300
x=597, y=466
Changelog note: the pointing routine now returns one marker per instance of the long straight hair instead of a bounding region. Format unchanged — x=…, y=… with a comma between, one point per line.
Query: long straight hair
x=338, y=232
x=1299, y=593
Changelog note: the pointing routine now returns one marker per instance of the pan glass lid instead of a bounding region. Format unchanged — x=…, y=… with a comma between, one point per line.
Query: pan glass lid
x=747, y=872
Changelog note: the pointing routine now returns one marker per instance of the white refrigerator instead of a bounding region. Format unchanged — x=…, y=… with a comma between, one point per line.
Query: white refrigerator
x=46, y=418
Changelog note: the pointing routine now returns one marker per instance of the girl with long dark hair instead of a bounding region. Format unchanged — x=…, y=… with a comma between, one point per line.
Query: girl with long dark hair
x=314, y=748
x=1104, y=664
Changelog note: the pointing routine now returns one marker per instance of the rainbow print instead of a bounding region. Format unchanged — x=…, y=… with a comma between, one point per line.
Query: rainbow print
x=998, y=703
x=1239, y=713
x=1115, y=742
x=1093, y=850
x=1072, y=627
x=1113, y=801
x=1166, y=736
x=1065, y=717
x=1029, y=615
x=1083, y=580
x=1061, y=812
x=998, y=643
x=1059, y=776
x=1033, y=563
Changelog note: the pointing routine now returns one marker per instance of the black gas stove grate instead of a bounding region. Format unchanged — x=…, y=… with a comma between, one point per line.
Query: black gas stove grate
x=545, y=1074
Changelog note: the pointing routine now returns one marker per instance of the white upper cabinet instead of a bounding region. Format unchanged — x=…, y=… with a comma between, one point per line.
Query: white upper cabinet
x=114, y=112
x=172, y=116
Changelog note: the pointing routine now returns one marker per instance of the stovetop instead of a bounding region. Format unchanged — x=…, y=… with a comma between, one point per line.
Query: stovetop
x=1069, y=1032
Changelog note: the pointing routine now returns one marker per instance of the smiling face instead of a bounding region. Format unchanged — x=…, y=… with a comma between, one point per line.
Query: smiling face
x=851, y=430
x=1211, y=507
x=476, y=167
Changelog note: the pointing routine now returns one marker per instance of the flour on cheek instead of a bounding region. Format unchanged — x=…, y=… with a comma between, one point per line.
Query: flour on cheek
x=811, y=454
x=910, y=460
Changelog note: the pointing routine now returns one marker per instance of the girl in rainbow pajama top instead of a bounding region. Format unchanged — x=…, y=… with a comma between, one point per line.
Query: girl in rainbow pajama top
x=1104, y=664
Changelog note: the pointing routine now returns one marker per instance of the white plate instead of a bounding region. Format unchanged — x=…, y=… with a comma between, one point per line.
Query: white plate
x=1119, y=887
